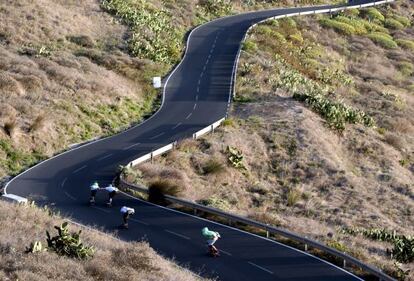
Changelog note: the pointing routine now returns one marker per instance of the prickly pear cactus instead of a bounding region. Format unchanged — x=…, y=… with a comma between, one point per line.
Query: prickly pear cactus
x=68, y=244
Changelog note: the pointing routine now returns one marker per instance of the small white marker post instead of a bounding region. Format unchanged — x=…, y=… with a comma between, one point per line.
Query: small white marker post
x=156, y=82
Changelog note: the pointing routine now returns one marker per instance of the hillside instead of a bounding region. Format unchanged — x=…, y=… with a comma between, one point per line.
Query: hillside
x=75, y=70
x=320, y=136
x=113, y=259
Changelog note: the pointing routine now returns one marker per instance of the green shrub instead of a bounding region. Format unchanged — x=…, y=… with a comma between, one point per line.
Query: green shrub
x=216, y=202
x=229, y=122
x=68, y=244
x=374, y=15
x=406, y=68
x=213, y=166
x=382, y=39
x=403, y=246
x=292, y=197
x=151, y=28
x=216, y=8
x=340, y=27
x=406, y=44
x=393, y=24
x=337, y=245
x=296, y=38
x=335, y=113
x=249, y=46
x=403, y=20
x=352, y=13
x=16, y=159
x=358, y=25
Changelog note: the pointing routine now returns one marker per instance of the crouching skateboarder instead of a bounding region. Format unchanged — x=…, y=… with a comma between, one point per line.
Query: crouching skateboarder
x=211, y=237
x=94, y=189
x=126, y=213
x=112, y=190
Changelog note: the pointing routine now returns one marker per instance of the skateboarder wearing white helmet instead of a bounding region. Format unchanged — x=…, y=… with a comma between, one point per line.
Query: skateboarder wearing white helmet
x=112, y=190
x=126, y=212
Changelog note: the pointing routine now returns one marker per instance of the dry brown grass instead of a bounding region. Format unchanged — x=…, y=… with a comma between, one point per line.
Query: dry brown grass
x=113, y=260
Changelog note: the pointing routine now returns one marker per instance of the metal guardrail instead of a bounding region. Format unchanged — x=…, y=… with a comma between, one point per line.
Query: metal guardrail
x=347, y=259
x=171, y=146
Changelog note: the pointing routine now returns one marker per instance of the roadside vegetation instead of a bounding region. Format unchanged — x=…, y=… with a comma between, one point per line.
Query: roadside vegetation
x=67, y=256
x=320, y=136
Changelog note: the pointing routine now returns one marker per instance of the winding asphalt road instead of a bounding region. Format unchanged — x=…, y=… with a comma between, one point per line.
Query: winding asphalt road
x=196, y=95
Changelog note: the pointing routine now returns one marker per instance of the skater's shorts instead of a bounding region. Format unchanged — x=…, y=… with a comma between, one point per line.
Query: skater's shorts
x=211, y=242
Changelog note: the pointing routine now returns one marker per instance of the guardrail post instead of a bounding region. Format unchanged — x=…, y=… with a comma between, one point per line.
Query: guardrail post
x=267, y=234
x=212, y=128
x=306, y=247
x=344, y=265
x=152, y=157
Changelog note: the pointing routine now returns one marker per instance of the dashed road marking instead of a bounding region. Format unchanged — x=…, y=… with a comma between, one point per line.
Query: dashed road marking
x=196, y=97
x=224, y=252
x=198, y=89
x=260, y=267
x=179, y=124
x=131, y=146
x=102, y=210
x=195, y=106
x=157, y=136
x=177, y=234
x=80, y=169
x=189, y=115
x=138, y=221
x=104, y=157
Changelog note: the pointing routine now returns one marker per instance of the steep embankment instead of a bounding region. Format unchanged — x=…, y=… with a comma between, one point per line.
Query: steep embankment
x=323, y=122
x=113, y=259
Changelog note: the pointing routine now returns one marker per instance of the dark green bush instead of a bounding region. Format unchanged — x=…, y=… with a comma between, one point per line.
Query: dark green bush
x=213, y=166
x=158, y=189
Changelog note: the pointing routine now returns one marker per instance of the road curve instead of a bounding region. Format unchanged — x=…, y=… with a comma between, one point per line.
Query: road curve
x=197, y=94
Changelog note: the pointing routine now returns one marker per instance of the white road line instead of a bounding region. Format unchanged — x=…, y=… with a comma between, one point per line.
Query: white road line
x=198, y=89
x=195, y=106
x=189, y=115
x=102, y=210
x=196, y=97
x=157, y=136
x=81, y=168
x=179, y=124
x=63, y=182
x=107, y=156
x=131, y=146
x=199, y=81
x=177, y=234
x=224, y=252
x=70, y=196
x=259, y=267
x=138, y=221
